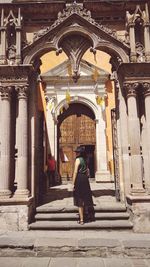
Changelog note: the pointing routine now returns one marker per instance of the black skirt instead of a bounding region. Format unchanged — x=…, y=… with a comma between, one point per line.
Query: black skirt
x=82, y=193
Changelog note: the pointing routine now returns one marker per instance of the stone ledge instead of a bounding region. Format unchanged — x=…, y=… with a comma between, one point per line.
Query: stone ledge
x=133, y=199
x=16, y=201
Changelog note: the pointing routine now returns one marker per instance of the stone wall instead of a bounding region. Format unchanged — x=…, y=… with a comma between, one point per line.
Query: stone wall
x=140, y=214
x=16, y=217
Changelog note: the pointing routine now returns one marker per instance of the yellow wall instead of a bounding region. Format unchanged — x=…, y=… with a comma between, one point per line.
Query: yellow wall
x=50, y=60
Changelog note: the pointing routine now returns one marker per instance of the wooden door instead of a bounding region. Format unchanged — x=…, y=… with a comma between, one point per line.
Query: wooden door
x=74, y=130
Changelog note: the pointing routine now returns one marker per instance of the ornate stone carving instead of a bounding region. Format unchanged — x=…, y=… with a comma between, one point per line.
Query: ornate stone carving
x=11, y=19
x=11, y=54
x=146, y=87
x=78, y=9
x=11, y=37
x=40, y=33
x=75, y=46
x=131, y=88
x=5, y=92
x=140, y=50
x=22, y=91
x=137, y=16
x=16, y=73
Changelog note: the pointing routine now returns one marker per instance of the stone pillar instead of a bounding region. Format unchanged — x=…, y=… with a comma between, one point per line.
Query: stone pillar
x=3, y=40
x=146, y=87
x=22, y=142
x=134, y=139
x=18, y=39
x=146, y=32
x=133, y=56
x=124, y=142
x=102, y=173
x=5, y=142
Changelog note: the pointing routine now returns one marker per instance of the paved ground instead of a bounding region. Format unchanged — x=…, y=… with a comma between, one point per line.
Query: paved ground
x=75, y=248
x=72, y=262
x=62, y=194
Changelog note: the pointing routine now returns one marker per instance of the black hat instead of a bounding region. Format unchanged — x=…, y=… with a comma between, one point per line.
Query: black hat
x=80, y=149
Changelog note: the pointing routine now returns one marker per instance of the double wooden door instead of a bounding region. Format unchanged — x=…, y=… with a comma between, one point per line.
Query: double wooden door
x=74, y=130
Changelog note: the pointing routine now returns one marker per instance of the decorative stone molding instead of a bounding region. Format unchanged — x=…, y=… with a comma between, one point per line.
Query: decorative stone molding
x=79, y=10
x=69, y=24
x=40, y=33
x=15, y=74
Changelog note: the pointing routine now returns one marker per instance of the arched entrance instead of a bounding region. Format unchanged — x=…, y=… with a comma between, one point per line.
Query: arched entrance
x=76, y=126
x=75, y=31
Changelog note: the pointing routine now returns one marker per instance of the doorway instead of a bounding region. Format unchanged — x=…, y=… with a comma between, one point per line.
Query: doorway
x=76, y=126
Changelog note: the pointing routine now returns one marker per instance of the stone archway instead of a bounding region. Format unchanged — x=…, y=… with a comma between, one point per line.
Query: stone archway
x=76, y=126
x=19, y=69
x=101, y=172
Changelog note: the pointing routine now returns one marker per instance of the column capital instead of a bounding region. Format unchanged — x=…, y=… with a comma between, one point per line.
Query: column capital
x=5, y=92
x=146, y=87
x=22, y=91
x=130, y=88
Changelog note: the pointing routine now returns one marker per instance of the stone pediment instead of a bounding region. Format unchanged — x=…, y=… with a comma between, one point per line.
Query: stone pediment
x=62, y=70
x=76, y=12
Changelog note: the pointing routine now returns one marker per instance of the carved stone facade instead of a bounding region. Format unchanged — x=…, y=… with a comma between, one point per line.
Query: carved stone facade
x=72, y=28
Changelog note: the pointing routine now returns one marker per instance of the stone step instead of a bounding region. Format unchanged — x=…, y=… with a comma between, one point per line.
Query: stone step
x=105, y=207
x=69, y=225
x=74, y=216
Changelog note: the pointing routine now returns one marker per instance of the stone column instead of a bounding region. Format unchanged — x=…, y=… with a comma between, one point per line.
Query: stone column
x=5, y=142
x=146, y=87
x=18, y=39
x=133, y=56
x=134, y=139
x=3, y=40
x=22, y=142
x=147, y=40
x=124, y=142
x=102, y=174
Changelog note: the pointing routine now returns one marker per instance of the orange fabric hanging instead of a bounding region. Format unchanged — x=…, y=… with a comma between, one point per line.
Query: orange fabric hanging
x=108, y=85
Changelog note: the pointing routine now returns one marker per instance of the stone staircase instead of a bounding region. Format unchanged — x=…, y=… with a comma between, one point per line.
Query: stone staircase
x=60, y=218
x=58, y=212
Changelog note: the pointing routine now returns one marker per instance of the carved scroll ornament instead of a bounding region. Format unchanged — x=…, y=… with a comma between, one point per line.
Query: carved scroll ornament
x=130, y=88
x=22, y=91
x=146, y=87
x=5, y=92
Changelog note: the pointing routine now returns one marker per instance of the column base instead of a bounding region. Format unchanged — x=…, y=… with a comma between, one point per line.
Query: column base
x=103, y=176
x=22, y=193
x=138, y=191
x=5, y=194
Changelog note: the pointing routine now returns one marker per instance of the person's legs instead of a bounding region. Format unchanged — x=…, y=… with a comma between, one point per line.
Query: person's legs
x=81, y=215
